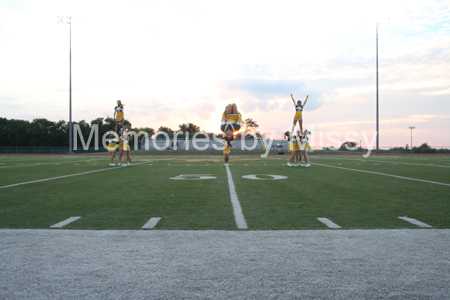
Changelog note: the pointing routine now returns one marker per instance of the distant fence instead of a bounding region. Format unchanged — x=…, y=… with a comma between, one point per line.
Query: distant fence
x=199, y=146
x=203, y=144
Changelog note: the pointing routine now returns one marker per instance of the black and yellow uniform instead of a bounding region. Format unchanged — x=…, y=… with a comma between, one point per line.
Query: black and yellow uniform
x=298, y=109
x=305, y=143
x=231, y=122
x=293, y=144
x=124, y=142
x=118, y=112
x=112, y=142
x=226, y=147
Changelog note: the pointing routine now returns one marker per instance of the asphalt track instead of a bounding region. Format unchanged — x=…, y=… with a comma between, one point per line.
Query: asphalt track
x=159, y=264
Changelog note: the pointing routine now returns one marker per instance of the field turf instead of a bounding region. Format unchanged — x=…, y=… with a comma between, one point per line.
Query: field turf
x=193, y=193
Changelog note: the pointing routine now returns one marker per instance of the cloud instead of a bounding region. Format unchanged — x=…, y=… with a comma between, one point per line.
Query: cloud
x=413, y=119
x=259, y=94
x=155, y=112
x=263, y=89
x=202, y=110
x=251, y=105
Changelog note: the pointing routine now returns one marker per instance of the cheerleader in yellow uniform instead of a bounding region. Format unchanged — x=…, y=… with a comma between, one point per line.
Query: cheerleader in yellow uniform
x=293, y=147
x=119, y=114
x=112, y=145
x=231, y=121
x=124, y=147
x=226, y=151
x=305, y=147
x=298, y=113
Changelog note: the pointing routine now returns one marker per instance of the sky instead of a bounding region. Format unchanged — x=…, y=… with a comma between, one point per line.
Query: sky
x=174, y=62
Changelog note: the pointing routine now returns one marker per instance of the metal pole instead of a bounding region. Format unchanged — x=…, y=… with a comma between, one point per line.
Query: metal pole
x=378, y=134
x=70, y=85
x=62, y=20
x=411, y=127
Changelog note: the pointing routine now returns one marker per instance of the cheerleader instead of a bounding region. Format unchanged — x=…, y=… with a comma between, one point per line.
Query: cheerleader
x=226, y=151
x=231, y=121
x=306, y=147
x=298, y=113
x=294, y=148
x=124, y=147
x=112, y=146
x=119, y=115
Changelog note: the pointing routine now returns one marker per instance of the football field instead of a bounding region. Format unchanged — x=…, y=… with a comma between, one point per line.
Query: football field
x=200, y=193
x=73, y=227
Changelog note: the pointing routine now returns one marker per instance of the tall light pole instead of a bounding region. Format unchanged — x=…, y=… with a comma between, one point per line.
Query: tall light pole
x=411, y=127
x=68, y=20
x=378, y=117
x=378, y=132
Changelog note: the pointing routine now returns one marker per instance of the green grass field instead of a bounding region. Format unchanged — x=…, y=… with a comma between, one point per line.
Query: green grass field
x=41, y=191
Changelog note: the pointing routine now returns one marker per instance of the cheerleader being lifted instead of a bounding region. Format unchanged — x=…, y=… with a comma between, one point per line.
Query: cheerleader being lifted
x=298, y=114
x=231, y=121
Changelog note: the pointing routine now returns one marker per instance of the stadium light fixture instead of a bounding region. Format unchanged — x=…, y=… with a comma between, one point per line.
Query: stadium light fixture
x=68, y=20
x=411, y=127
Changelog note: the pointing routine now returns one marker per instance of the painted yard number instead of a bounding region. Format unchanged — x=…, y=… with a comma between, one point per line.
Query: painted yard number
x=210, y=176
x=193, y=177
x=264, y=177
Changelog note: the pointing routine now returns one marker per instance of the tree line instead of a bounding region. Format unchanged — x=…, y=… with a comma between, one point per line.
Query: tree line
x=45, y=133
x=424, y=148
x=249, y=125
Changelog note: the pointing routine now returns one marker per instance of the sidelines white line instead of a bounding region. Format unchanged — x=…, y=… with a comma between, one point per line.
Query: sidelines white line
x=377, y=173
x=329, y=223
x=151, y=223
x=415, y=222
x=65, y=222
x=398, y=162
x=64, y=176
x=49, y=163
x=238, y=215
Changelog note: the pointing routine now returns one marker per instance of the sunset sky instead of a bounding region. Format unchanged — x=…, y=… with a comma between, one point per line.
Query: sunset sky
x=173, y=62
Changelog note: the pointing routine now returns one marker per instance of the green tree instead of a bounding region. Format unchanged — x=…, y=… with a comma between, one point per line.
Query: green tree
x=61, y=137
x=85, y=129
x=250, y=125
x=148, y=130
x=43, y=133
x=16, y=133
x=127, y=123
x=5, y=135
x=99, y=122
x=109, y=124
x=164, y=129
x=424, y=148
x=189, y=127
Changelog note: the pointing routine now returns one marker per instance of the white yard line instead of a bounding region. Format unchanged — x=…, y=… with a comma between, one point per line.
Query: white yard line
x=151, y=223
x=428, y=159
x=396, y=162
x=238, y=215
x=50, y=163
x=64, y=176
x=65, y=222
x=415, y=222
x=329, y=223
x=390, y=175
